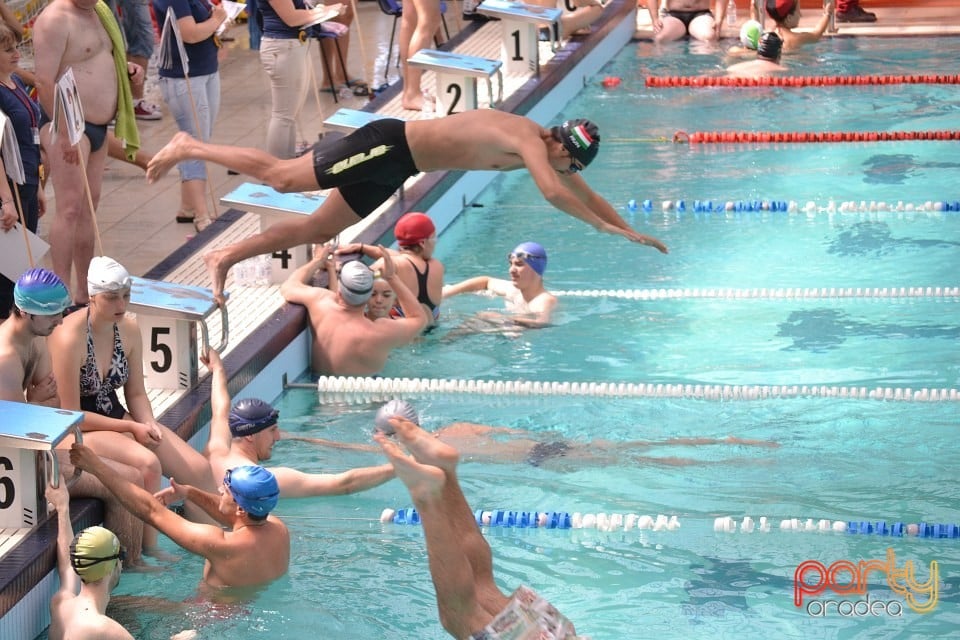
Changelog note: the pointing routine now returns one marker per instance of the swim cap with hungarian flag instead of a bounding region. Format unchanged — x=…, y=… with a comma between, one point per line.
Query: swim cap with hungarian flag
x=580, y=137
x=41, y=292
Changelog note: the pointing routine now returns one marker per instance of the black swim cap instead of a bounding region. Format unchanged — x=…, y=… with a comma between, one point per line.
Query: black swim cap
x=769, y=46
x=250, y=416
x=580, y=137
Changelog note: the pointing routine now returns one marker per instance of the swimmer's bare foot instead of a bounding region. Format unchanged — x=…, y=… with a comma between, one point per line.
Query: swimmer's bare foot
x=413, y=102
x=217, y=267
x=423, y=481
x=172, y=153
x=424, y=446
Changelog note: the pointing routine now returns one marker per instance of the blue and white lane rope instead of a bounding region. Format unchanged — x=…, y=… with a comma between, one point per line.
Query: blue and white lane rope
x=726, y=524
x=387, y=388
x=809, y=208
x=765, y=293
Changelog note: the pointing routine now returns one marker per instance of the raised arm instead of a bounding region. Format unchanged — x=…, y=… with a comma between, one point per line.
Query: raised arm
x=400, y=331
x=69, y=580
x=202, y=539
x=218, y=446
x=297, y=484
x=297, y=288
x=209, y=502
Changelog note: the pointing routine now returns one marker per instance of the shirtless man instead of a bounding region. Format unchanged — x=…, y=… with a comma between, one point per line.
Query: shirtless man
x=69, y=34
x=26, y=375
x=89, y=568
x=686, y=17
x=245, y=435
x=767, y=62
x=345, y=341
x=252, y=550
x=528, y=302
x=786, y=14
x=368, y=166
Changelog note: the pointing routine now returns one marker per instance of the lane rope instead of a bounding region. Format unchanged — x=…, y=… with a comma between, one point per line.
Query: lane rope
x=799, y=81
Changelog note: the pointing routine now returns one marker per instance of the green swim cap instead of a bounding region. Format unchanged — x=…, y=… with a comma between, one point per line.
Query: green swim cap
x=94, y=553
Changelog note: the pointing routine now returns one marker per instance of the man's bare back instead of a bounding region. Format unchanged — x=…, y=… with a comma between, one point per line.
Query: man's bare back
x=255, y=556
x=346, y=343
x=85, y=48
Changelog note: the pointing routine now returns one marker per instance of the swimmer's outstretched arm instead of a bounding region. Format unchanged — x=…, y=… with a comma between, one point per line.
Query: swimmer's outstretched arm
x=332, y=444
x=478, y=283
x=208, y=502
x=220, y=441
x=69, y=580
x=605, y=211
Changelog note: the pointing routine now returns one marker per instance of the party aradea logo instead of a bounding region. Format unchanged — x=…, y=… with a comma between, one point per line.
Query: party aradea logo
x=849, y=581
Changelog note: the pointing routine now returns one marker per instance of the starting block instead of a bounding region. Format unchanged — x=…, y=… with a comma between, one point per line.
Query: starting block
x=457, y=78
x=268, y=202
x=169, y=314
x=349, y=120
x=28, y=437
x=520, y=48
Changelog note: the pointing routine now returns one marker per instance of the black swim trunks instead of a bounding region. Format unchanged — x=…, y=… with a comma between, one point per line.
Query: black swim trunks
x=543, y=451
x=367, y=166
x=686, y=17
x=96, y=134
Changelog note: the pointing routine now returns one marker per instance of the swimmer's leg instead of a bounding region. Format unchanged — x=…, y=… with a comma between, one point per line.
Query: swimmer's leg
x=333, y=216
x=703, y=27
x=429, y=450
x=456, y=587
x=673, y=29
x=295, y=174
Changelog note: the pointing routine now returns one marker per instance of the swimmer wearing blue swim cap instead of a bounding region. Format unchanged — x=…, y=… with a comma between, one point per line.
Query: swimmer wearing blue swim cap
x=254, y=489
x=41, y=292
x=531, y=253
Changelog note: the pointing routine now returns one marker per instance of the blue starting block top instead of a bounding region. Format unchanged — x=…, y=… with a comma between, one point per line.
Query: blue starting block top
x=259, y=198
x=448, y=61
x=348, y=120
x=171, y=299
x=30, y=426
x=519, y=12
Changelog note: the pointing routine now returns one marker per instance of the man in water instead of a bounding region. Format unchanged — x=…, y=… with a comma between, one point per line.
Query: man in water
x=250, y=548
x=767, y=62
x=366, y=167
x=529, y=303
x=245, y=433
x=786, y=14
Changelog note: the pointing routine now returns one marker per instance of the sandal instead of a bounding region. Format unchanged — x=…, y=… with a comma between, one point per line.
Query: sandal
x=185, y=215
x=359, y=87
x=202, y=223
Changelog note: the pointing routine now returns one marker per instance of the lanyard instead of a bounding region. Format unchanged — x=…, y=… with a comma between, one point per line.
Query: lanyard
x=26, y=101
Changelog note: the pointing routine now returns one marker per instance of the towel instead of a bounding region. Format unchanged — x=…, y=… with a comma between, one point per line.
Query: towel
x=125, y=128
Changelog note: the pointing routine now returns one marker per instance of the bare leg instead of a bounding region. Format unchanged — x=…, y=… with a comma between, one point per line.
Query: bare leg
x=295, y=174
x=429, y=450
x=425, y=22
x=460, y=612
x=333, y=216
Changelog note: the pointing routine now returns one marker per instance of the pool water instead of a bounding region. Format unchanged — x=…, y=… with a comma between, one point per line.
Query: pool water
x=838, y=459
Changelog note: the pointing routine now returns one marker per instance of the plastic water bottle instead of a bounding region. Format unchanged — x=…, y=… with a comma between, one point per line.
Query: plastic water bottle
x=731, y=12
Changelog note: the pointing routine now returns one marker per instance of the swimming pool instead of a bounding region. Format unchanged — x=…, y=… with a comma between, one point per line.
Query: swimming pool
x=838, y=459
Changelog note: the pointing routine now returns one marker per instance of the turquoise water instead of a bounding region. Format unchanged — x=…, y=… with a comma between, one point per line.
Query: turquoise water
x=352, y=577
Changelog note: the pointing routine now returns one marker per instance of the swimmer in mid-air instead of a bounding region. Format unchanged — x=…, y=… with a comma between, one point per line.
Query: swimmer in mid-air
x=366, y=167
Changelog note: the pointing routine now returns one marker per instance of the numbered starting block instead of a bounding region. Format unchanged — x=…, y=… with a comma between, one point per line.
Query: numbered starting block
x=270, y=203
x=521, y=22
x=28, y=436
x=169, y=314
x=349, y=120
x=457, y=78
